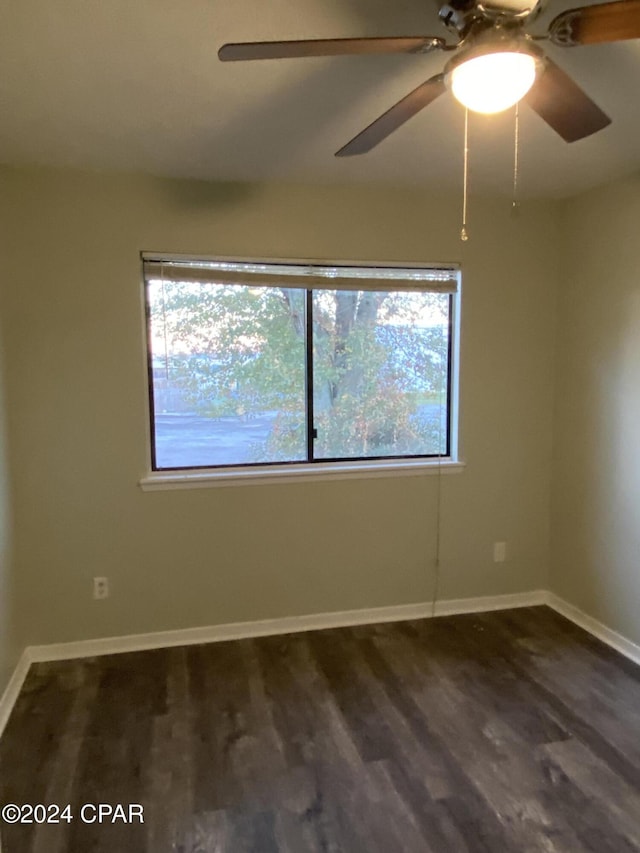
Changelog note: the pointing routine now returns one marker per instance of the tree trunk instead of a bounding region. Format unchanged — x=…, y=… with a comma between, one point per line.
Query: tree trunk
x=364, y=319
x=346, y=306
x=297, y=317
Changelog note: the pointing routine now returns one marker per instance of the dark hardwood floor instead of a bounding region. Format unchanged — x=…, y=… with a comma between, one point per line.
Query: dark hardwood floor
x=509, y=731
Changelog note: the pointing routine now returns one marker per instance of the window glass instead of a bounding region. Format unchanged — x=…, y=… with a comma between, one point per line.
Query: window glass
x=250, y=374
x=228, y=371
x=380, y=373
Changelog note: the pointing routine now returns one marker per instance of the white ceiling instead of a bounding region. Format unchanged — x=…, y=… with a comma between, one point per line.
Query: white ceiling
x=136, y=85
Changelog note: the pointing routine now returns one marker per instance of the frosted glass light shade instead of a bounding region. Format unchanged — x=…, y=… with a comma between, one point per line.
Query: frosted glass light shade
x=493, y=82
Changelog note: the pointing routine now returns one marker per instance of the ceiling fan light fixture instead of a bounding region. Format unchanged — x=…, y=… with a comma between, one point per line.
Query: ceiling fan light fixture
x=493, y=81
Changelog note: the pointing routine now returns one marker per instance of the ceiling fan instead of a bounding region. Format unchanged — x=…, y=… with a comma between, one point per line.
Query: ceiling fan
x=495, y=62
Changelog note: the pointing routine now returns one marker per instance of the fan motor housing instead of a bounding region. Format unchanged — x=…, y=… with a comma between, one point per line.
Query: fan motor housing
x=491, y=40
x=460, y=15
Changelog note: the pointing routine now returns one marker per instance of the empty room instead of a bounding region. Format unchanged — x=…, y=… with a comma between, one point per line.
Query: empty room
x=319, y=426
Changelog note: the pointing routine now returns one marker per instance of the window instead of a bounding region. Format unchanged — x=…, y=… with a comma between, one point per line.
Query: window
x=263, y=364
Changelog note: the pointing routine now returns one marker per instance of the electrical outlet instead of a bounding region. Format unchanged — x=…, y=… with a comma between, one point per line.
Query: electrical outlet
x=101, y=588
x=499, y=552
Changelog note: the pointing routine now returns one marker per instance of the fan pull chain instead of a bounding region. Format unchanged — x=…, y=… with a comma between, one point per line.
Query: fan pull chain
x=515, y=204
x=463, y=233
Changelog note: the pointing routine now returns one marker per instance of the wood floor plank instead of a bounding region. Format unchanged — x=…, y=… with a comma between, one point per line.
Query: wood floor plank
x=40, y=715
x=344, y=794
x=116, y=747
x=505, y=732
x=54, y=838
x=597, y=782
x=487, y=772
x=452, y=754
x=511, y=783
x=616, y=742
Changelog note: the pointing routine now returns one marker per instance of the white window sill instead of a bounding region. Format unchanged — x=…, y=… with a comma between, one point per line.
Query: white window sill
x=211, y=477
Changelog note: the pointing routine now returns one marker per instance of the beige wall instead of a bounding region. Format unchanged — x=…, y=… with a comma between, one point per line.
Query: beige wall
x=76, y=385
x=9, y=645
x=596, y=495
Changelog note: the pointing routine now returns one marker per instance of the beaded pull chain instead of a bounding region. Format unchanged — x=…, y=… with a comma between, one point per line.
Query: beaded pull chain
x=463, y=233
x=515, y=204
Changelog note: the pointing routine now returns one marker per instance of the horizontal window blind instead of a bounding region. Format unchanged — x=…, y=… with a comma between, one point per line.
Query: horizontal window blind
x=304, y=276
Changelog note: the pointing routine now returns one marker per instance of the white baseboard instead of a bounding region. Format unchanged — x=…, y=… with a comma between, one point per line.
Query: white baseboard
x=13, y=688
x=284, y=625
x=311, y=622
x=593, y=626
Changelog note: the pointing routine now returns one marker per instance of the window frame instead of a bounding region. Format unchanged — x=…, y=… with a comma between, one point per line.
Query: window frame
x=312, y=468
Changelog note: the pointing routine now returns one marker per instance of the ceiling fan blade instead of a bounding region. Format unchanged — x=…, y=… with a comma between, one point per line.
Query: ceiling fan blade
x=395, y=117
x=328, y=47
x=564, y=106
x=604, y=22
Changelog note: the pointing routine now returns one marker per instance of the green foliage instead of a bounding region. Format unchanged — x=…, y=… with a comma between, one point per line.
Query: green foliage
x=240, y=349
